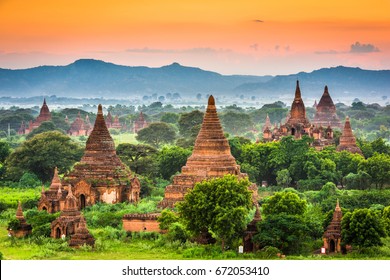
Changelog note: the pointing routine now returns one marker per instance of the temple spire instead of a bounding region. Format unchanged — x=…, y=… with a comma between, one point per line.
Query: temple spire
x=297, y=92
x=337, y=206
x=19, y=211
x=211, y=100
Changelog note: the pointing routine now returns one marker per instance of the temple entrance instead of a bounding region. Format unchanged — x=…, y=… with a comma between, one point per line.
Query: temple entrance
x=292, y=131
x=58, y=233
x=82, y=201
x=332, y=246
x=44, y=208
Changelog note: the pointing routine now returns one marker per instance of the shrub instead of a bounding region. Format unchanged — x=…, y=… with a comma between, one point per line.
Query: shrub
x=177, y=231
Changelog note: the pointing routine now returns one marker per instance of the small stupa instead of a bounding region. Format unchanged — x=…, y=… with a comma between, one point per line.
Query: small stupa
x=348, y=140
x=332, y=235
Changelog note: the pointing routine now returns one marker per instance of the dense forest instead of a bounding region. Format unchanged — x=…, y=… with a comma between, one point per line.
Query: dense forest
x=290, y=172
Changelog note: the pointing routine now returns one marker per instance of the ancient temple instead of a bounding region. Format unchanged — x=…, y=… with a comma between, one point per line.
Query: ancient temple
x=108, y=120
x=67, y=223
x=251, y=230
x=81, y=236
x=297, y=124
x=116, y=124
x=140, y=123
x=24, y=229
x=332, y=235
x=44, y=116
x=101, y=176
x=348, y=140
x=267, y=124
x=53, y=199
x=210, y=158
x=326, y=112
x=79, y=127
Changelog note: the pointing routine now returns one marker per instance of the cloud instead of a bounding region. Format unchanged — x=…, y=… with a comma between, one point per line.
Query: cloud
x=328, y=52
x=363, y=48
x=192, y=50
x=254, y=46
x=258, y=21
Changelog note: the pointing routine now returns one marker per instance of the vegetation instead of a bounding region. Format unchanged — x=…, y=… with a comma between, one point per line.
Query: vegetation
x=296, y=208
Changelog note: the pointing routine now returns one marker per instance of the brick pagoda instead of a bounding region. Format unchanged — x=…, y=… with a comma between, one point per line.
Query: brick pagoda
x=332, y=235
x=348, y=140
x=101, y=176
x=211, y=158
x=326, y=112
x=25, y=229
x=81, y=236
x=140, y=123
x=79, y=127
x=44, y=116
x=53, y=199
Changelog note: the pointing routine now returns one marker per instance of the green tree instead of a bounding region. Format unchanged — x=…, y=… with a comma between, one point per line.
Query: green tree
x=362, y=228
x=236, y=143
x=283, y=178
x=283, y=231
x=139, y=157
x=157, y=134
x=44, y=127
x=41, y=154
x=219, y=206
x=172, y=118
x=378, y=167
x=284, y=202
x=5, y=150
x=386, y=219
x=171, y=160
x=167, y=218
x=188, y=121
x=236, y=123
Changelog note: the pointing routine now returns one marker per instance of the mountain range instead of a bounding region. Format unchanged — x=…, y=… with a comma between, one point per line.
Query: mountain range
x=95, y=78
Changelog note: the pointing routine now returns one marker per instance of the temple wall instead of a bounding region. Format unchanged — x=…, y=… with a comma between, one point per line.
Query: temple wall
x=140, y=223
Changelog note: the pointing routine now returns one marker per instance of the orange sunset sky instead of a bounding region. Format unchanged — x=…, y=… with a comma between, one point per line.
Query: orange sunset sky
x=230, y=37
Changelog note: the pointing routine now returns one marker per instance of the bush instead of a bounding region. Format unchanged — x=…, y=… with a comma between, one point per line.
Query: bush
x=177, y=231
x=13, y=224
x=29, y=180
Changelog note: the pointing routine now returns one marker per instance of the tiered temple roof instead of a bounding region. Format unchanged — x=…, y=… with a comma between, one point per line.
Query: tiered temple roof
x=25, y=229
x=140, y=123
x=79, y=127
x=101, y=175
x=52, y=200
x=332, y=235
x=348, y=140
x=326, y=112
x=298, y=111
x=82, y=235
x=210, y=158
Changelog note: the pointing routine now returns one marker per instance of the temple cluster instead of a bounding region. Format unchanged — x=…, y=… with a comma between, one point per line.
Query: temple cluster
x=320, y=129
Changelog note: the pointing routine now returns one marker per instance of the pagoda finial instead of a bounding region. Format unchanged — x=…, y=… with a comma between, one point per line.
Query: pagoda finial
x=326, y=89
x=70, y=194
x=211, y=100
x=298, y=91
x=44, y=101
x=43, y=189
x=19, y=211
x=100, y=109
x=337, y=206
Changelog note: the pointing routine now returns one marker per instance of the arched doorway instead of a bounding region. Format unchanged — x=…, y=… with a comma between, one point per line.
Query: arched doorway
x=292, y=131
x=58, y=233
x=44, y=208
x=332, y=246
x=82, y=201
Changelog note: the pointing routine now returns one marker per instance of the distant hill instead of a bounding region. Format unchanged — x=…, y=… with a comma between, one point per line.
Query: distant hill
x=343, y=80
x=95, y=78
